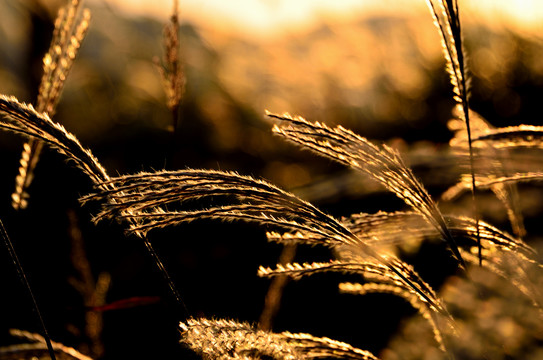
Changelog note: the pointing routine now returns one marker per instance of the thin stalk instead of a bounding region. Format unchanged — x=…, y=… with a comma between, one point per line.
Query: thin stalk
x=465, y=109
x=26, y=284
x=450, y=29
x=272, y=301
x=166, y=276
x=473, y=185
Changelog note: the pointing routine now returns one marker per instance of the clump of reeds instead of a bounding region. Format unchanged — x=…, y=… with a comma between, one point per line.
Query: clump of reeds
x=37, y=126
x=495, y=319
x=361, y=244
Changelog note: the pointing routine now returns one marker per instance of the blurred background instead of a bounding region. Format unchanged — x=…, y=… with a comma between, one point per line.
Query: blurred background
x=375, y=67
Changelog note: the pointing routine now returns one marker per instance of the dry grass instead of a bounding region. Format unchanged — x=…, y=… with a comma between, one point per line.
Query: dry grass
x=226, y=339
x=368, y=246
x=70, y=30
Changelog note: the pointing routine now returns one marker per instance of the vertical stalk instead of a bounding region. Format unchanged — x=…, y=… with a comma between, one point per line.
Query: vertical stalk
x=26, y=284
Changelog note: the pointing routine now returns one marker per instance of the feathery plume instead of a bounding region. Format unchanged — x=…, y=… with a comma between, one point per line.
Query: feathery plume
x=64, y=352
x=447, y=21
x=390, y=229
x=370, y=270
x=528, y=136
x=430, y=316
x=516, y=270
x=23, y=119
x=172, y=74
x=379, y=279
x=497, y=320
x=227, y=339
x=144, y=195
x=142, y=198
x=383, y=164
x=509, y=149
x=70, y=30
x=321, y=347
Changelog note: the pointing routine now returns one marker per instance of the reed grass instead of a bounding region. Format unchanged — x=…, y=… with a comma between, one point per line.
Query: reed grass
x=37, y=347
x=447, y=20
x=382, y=164
x=368, y=246
x=227, y=339
x=70, y=30
x=171, y=72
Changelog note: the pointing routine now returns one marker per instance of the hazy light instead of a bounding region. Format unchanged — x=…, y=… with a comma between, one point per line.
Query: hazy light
x=259, y=17
x=271, y=17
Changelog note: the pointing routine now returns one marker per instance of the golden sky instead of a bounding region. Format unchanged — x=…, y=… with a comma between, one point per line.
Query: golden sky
x=271, y=17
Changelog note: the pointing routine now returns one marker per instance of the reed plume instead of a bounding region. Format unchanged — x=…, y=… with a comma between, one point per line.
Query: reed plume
x=228, y=339
x=511, y=325
x=379, y=278
x=505, y=255
x=383, y=164
x=143, y=198
x=434, y=319
x=25, y=120
x=70, y=30
x=528, y=136
x=447, y=21
x=371, y=271
x=384, y=229
x=171, y=72
x=37, y=348
x=461, y=315
x=501, y=162
x=390, y=228
x=495, y=320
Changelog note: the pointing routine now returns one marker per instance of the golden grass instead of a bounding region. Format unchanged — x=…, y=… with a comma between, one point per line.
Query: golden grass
x=37, y=347
x=70, y=30
x=365, y=245
x=227, y=339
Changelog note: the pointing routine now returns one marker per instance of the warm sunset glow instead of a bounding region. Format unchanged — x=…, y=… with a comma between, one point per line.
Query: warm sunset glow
x=254, y=17
x=268, y=17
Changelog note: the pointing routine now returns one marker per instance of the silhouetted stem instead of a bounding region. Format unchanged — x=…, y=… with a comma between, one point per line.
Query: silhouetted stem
x=275, y=291
x=26, y=284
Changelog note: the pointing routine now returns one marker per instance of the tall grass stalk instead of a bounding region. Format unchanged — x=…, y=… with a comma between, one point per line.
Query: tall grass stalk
x=448, y=22
x=22, y=276
x=70, y=30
